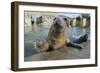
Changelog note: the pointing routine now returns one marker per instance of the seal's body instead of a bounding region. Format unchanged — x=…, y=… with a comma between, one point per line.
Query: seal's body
x=56, y=37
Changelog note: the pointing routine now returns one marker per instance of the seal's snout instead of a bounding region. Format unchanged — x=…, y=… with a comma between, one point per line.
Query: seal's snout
x=58, y=25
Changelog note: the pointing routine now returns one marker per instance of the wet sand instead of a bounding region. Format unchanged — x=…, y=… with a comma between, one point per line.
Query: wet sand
x=60, y=54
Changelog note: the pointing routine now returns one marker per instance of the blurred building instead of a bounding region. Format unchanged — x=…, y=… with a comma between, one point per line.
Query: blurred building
x=39, y=18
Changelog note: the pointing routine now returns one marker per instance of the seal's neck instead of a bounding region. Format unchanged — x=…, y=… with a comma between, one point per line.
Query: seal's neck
x=59, y=34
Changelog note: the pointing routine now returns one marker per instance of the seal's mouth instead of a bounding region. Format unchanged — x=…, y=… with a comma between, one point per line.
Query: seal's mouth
x=59, y=27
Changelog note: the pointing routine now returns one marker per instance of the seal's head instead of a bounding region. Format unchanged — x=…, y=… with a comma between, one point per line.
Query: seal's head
x=59, y=24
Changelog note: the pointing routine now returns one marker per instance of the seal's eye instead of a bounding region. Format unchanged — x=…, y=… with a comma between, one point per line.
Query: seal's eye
x=66, y=21
x=54, y=19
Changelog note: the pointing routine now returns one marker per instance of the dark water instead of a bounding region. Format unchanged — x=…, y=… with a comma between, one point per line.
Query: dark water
x=40, y=33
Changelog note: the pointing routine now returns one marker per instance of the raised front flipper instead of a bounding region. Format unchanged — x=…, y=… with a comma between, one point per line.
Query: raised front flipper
x=81, y=39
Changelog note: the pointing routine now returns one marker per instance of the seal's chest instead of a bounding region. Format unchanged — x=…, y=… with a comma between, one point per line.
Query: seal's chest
x=58, y=41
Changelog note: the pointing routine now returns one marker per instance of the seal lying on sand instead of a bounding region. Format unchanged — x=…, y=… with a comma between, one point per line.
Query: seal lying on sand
x=56, y=37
